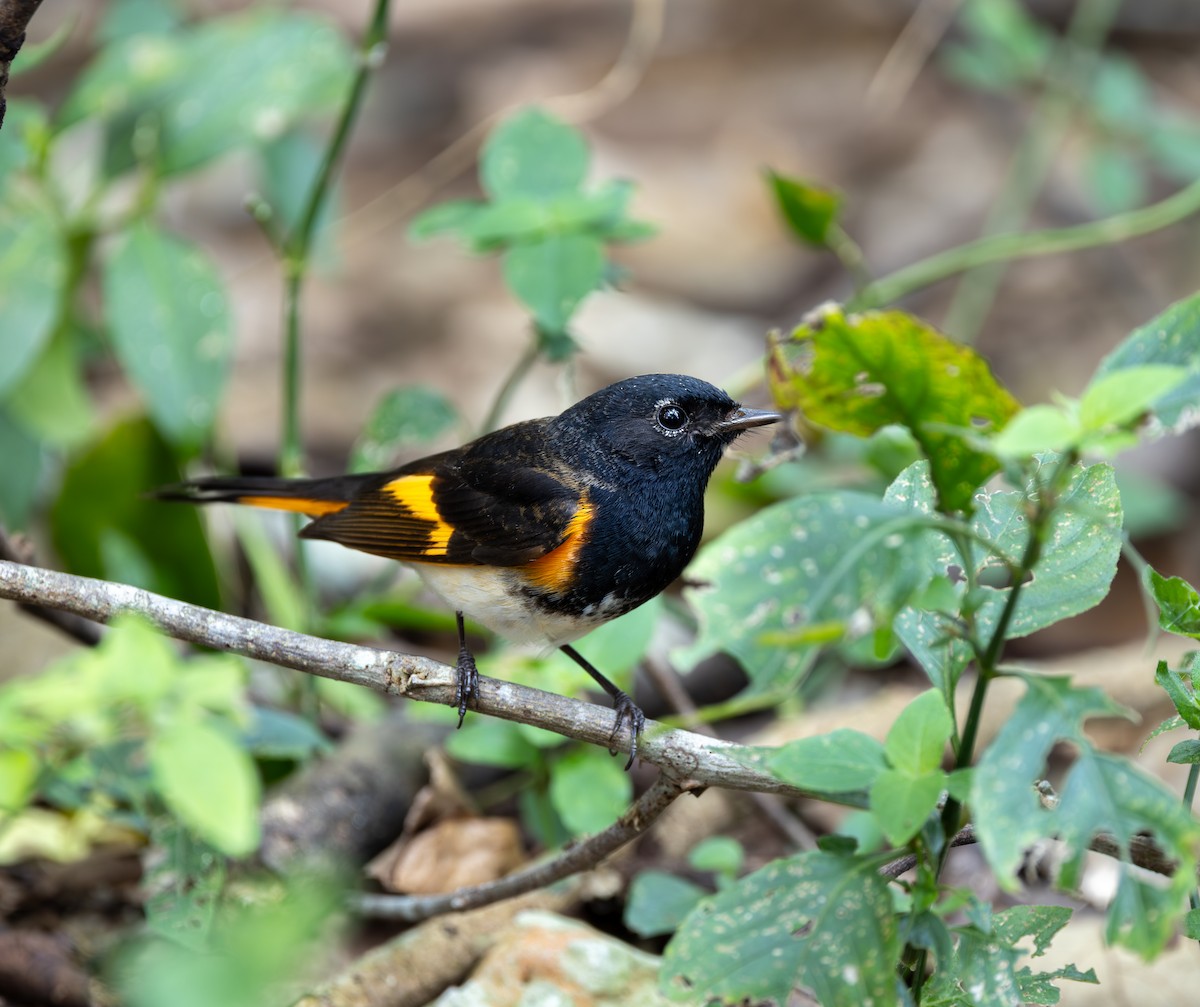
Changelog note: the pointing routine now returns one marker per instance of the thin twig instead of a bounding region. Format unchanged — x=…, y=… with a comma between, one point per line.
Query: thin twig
x=581, y=857
x=706, y=761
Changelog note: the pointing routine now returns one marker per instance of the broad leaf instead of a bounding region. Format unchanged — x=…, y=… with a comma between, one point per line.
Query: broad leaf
x=532, y=154
x=901, y=802
x=589, y=789
x=658, y=902
x=838, y=762
x=552, y=275
x=33, y=262
x=1172, y=338
x=170, y=325
x=209, y=783
x=859, y=373
x=1178, y=604
x=917, y=740
x=821, y=921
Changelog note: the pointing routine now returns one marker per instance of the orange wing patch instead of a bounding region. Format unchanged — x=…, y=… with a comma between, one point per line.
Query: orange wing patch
x=415, y=495
x=552, y=572
x=313, y=508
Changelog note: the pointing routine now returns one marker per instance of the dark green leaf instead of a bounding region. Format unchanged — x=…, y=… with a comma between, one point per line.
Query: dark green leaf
x=1185, y=753
x=280, y=734
x=1185, y=699
x=22, y=472
x=104, y=491
x=982, y=973
x=533, y=154
x=658, y=903
x=209, y=783
x=289, y=166
x=185, y=883
x=1191, y=925
x=1172, y=338
x=553, y=275
x=490, y=742
x=841, y=761
x=787, y=581
x=862, y=372
x=405, y=417
x=809, y=209
x=589, y=789
x=1178, y=604
x=33, y=262
x=170, y=325
x=821, y=921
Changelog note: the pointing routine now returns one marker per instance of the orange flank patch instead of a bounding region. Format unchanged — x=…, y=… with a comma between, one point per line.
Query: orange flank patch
x=415, y=495
x=313, y=508
x=553, y=571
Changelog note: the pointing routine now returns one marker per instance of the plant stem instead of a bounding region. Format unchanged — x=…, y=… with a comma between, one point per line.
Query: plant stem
x=298, y=245
x=1006, y=247
x=1189, y=797
x=1078, y=54
x=521, y=368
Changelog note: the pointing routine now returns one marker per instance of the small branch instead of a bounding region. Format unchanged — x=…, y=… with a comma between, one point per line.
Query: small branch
x=15, y=16
x=705, y=761
x=580, y=857
x=79, y=629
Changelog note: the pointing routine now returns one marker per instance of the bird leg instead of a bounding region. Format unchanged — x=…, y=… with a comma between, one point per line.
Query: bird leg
x=627, y=711
x=466, y=689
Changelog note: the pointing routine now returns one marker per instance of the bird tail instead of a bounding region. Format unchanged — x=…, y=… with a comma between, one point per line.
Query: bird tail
x=313, y=497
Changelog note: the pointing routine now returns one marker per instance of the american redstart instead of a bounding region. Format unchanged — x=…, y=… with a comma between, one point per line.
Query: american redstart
x=542, y=530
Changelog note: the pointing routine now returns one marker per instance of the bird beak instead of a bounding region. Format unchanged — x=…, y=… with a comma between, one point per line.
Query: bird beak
x=742, y=418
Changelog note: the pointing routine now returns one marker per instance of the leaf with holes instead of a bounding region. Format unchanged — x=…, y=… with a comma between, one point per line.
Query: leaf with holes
x=859, y=373
x=820, y=921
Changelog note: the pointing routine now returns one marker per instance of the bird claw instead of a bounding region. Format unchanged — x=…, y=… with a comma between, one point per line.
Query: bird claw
x=628, y=712
x=466, y=689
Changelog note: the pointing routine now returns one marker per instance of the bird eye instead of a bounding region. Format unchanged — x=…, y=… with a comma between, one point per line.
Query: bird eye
x=670, y=418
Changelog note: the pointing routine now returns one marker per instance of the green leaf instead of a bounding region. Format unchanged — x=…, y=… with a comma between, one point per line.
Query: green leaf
x=288, y=169
x=104, y=491
x=409, y=416
x=18, y=775
x=489, y=742
x=982, y=973
x=917, y=740
x=1101, y=793
x=532, y=154
x=1173, y=338
x=1191, y=925
x=185, y=883
x=1185, y=699
x=901, y=802
x=589, y=790
x=444, y=218
x=1185, y=753
x=209, y=783
x=1120, y=398
x=53, y=400
x=1073, y=574
x=809, y=209
x=282, y=595
x=23, y=463
x=552, y=275
x=33, y=262
x=721, y=854
x=26, y=129
x=279, y=734
x=1036, y=429
x=170, y=325
x=838, y=762
x=507, y=222
x=277, y=69
x=658, y=903
x=862, y=372
x=1178, y=604
x=1115, y=178
x=819, y=920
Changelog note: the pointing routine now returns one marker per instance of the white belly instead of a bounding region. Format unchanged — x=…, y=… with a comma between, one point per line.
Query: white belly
x=493, y=598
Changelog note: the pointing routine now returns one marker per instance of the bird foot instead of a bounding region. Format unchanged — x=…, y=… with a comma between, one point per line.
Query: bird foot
x=628, y=712
x=466, y=690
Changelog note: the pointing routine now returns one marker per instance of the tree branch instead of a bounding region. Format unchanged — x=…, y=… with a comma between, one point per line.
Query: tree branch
x=682, y=754
x=15, y=16
x=18, y=551
x=580, y=857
